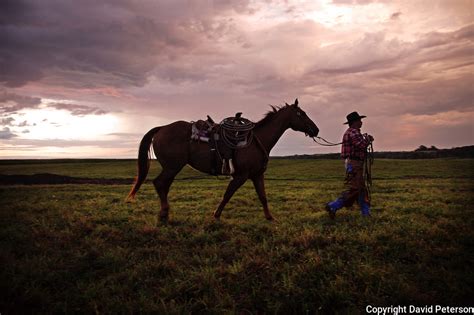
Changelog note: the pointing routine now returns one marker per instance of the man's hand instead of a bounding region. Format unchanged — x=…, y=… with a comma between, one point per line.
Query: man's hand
x=371, y=139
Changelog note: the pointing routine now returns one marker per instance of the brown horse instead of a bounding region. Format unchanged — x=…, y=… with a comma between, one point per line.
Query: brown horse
x=173, y=149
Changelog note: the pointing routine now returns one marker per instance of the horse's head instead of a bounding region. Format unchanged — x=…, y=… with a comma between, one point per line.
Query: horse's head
x=299, y=121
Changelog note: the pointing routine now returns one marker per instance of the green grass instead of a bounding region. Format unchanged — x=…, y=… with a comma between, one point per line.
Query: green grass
x=81, y=249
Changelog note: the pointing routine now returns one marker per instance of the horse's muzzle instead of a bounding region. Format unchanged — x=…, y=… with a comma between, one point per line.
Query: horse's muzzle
x=313, y=132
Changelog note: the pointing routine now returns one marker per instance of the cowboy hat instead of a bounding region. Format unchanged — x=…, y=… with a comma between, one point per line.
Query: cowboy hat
x=354, y=116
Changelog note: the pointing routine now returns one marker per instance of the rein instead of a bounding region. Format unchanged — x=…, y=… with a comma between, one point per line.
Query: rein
x=325, y=143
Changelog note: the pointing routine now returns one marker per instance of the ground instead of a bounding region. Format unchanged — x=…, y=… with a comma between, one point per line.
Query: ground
x=80, y=248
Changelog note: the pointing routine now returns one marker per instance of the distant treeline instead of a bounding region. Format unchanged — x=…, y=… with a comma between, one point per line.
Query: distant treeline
x=429, y=153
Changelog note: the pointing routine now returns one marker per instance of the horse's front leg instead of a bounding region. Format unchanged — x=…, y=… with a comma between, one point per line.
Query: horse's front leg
x=234, y=184
x=259, y=184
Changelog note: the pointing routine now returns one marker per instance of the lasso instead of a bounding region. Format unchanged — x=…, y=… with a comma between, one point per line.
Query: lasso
x=236, y=132
x=368, y=161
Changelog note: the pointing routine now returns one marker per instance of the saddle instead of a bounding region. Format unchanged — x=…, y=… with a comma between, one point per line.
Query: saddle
x=201, y=130
x=230, y=134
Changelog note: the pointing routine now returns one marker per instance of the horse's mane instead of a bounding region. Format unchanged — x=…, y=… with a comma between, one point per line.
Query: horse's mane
x=269, y=115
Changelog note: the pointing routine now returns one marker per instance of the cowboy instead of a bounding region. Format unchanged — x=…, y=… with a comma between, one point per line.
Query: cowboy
x=354, y=151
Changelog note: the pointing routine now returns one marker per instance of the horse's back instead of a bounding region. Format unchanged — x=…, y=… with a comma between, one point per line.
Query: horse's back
x=178, y=130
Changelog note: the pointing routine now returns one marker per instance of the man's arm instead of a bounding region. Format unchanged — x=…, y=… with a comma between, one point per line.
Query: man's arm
x=359, y=141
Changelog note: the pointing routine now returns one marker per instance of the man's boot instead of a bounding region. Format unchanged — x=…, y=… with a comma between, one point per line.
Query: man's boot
x=333, y=206
x=364, y=206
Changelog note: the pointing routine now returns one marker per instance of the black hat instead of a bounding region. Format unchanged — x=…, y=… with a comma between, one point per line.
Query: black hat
x=354, y=116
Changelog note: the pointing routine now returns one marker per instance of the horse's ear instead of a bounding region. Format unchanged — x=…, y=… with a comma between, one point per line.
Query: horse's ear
x=296, y=102
x=287, y=104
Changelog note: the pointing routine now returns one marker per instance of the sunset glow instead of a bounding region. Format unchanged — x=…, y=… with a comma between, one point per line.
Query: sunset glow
x=90, y=79
x=62, y=125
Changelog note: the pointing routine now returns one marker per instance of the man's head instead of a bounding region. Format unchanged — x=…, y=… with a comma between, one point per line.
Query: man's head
x=356, y=124
x=354, y=120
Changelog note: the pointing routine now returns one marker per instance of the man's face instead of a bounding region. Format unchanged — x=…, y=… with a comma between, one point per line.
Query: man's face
x=357, y=124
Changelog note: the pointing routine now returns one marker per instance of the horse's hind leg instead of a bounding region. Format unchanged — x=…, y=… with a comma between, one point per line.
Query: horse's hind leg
x=259, y=184
x=162, y=186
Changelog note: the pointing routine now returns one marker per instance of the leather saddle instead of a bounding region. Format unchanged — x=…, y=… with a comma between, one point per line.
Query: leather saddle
x=231, y=134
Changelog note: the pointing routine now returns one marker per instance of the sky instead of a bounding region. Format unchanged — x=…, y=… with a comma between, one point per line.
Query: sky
x=87, y=79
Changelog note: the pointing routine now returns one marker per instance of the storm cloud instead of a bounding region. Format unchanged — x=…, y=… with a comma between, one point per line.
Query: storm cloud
x=78, y=110
x=6, y=134
x=111, y=43
x=11, y=102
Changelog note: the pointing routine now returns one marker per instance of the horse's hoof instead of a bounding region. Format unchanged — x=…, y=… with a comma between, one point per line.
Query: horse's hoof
x=270, y=218
x=216, y=215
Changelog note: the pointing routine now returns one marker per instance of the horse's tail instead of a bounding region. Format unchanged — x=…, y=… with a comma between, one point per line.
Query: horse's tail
x=143, y=161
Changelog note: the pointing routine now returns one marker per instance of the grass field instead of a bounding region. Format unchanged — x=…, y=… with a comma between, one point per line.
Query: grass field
x=81, y=249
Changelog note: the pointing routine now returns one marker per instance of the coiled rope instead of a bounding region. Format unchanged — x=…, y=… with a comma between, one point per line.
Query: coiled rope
x=236, y=132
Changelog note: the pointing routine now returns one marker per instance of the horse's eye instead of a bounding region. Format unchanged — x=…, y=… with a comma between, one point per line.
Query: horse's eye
x=298, y=113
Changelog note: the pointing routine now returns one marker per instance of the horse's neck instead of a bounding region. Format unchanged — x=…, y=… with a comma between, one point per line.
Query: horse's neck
x=272, y=130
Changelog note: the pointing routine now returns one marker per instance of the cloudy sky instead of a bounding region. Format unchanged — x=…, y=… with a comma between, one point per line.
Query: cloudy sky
x=88, y=78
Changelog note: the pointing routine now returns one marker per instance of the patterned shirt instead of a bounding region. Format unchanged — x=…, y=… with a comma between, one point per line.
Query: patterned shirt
x=354, y=145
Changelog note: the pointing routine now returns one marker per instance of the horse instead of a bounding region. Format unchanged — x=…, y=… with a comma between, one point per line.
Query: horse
x=173, y=150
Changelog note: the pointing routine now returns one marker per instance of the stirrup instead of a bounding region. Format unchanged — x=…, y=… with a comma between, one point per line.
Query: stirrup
x=231, y=167
x=224, y=169
x=227, y=167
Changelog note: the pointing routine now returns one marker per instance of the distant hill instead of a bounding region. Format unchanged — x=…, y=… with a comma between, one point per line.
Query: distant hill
x=420, y=153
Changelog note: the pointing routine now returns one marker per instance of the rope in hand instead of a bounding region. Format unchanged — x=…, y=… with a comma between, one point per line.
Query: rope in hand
x=368, y=161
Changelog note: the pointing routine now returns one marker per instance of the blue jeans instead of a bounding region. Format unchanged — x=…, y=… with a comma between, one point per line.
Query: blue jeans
x=355, y=189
